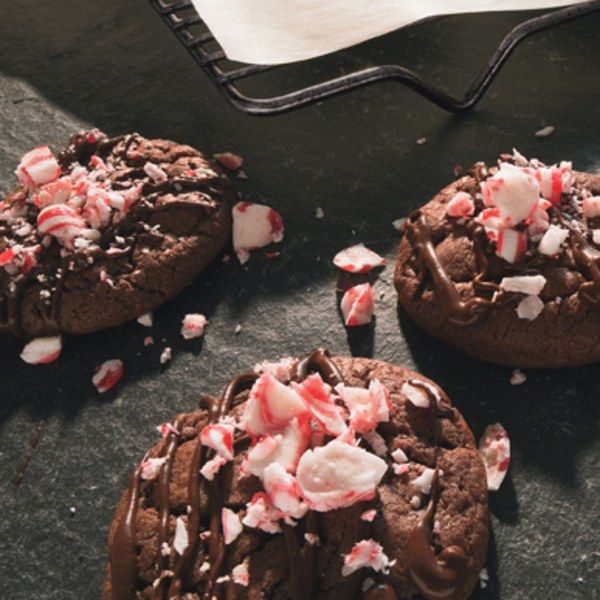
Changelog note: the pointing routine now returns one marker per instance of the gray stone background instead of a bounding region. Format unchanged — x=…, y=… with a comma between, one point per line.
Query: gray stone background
x=113, y=64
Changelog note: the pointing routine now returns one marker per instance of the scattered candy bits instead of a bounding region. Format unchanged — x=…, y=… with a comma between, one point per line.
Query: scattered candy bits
x=494, y=448
x=229, y=160
x=358, y=259
x=108, y=374
x=517, y=377
x=358, y=304
x=254, y=226
x=43, y=350
x=365, y=554
x=193, y=325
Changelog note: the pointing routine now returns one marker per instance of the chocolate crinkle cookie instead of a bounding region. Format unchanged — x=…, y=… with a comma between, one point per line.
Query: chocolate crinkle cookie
x=505, y=264
x=323, y=477
x=105, y=231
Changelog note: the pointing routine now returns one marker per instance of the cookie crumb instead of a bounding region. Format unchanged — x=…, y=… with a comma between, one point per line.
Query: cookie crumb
x=398, y=224
x=238, y=329
x=517, y=377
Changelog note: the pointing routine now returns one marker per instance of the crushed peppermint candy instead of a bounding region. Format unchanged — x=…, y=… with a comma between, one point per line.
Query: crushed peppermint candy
x=552, y=240
x=151, y=467
x=261, y=514
x=545, y=131
x=460, y=205
x=181, y=540
x=367, y=407
x=358, y=304
x=193, y=325
x=165, y=356
x=399, y=456
x=398, y=224
x=524, y=284
x=425, y=480
x=312, y=538
x=166, y=429
x=358, y=259
x=530, y=308
x=146, y=320
x=41, y=351
x=517, y=377
x=232, y=526
x=219, y=437
x=240, y=574
x=369, y=515
x=108, y=374
x=494, y=448
x=212, y=467
x=365, y=554
x=229, y=160
x=254, y=226
x=319, y=213
x=281, y=369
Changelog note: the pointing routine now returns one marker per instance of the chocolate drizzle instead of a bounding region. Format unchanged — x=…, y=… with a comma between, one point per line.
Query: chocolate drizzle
x=438, y=577
x=187, y=171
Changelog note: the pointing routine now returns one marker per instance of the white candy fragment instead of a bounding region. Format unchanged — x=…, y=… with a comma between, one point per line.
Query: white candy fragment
x=530, y=308
x=260, y=513
x=193, y=325
x=424, y=481
x=365, y=554
x=165, y=356
x=254, y=226
x=591, y=207
x=232, y=526
x=357, y=305
x=43, y=350
x=181, y=540
x=321, y=403
x=398, y=224
x=319, y=213
x=281, y=369
x=399, y=456
x=514, y=192
x=37, y=167
x=524, y=284
x=155, y=172
x=151, y=467
x=358, y=259
x=554, y=181
x=367, y=407
x=283, y=491
x=511, y=244
x=553, y=239
x=545, y=131
x=108, y=374
x=415, y=395
x=270, y=407
x=212, y=467
x=494, y=448
x=240, y=574
x=517, y=377
x=219, y=437
x=338, y=475
x=596, y=236
x=146, y=320
x=460, y=205
x=369, y=515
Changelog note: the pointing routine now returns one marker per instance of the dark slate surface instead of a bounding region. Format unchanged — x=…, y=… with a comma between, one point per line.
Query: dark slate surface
x=113, y=64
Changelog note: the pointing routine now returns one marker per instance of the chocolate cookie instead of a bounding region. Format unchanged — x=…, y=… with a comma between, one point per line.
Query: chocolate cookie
x=319, y=478
x=106, y=231
x=504, y=264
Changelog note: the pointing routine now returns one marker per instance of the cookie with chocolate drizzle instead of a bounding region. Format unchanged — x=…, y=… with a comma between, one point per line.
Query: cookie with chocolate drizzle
x=105, y=231
x=504, y=264
x=254, y=496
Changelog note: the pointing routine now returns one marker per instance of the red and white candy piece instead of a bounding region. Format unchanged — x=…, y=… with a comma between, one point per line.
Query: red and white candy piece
x=219, y=437
x=97, y=209
x=369, y=515
x=530, y=308
x=254, y=226
x=283, y=491
x=240, y=574
x=321, y=403
x=367, y=407
x=166, y=429
x=358, y=259
x=357, y=305
x=365, y=554
x=524, y=284
x=281, y=369
x=554, y=181
x=232, y=526
x=270, y=407
x=591, y=207
x=108, y=374
x=55, y=192
x=62, y=222
x=229, y=160
x=155, y=172
x=511, y=244
x=424, y=481
x=181, y=539
x=460, y=205
x=553, y=239
x=514, y=192
x=212, y=467
x=37, y=167
x=494, y=448
x=338, y=475
x=193, y=325
x=43, y=350
x=260, y=513
x=151, y=467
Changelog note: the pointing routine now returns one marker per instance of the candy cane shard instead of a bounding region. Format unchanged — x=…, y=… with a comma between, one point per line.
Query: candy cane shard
x=151, y=468
x=357, y=305
x=219, y=437
x=270, y=407
x=365, y=554
x=524, y=284
x=338, y=475
x=37, y=167
x=460, y=205
x=321, y=404
x=43, y=350
x=254, y=226
x=232, y=526
x=494, y=448
x=358, y=259
x=283, y=491
x=552, y=240
x=240, y=574
x=367, y=407
x=212, y=467
x=193, y=325
x=281, y=369
x=530, y=308
x=181, y=540
x=108, y=374
x=261, y=514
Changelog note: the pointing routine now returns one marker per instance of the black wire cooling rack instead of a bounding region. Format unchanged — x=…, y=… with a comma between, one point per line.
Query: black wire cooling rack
x=186, y=24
